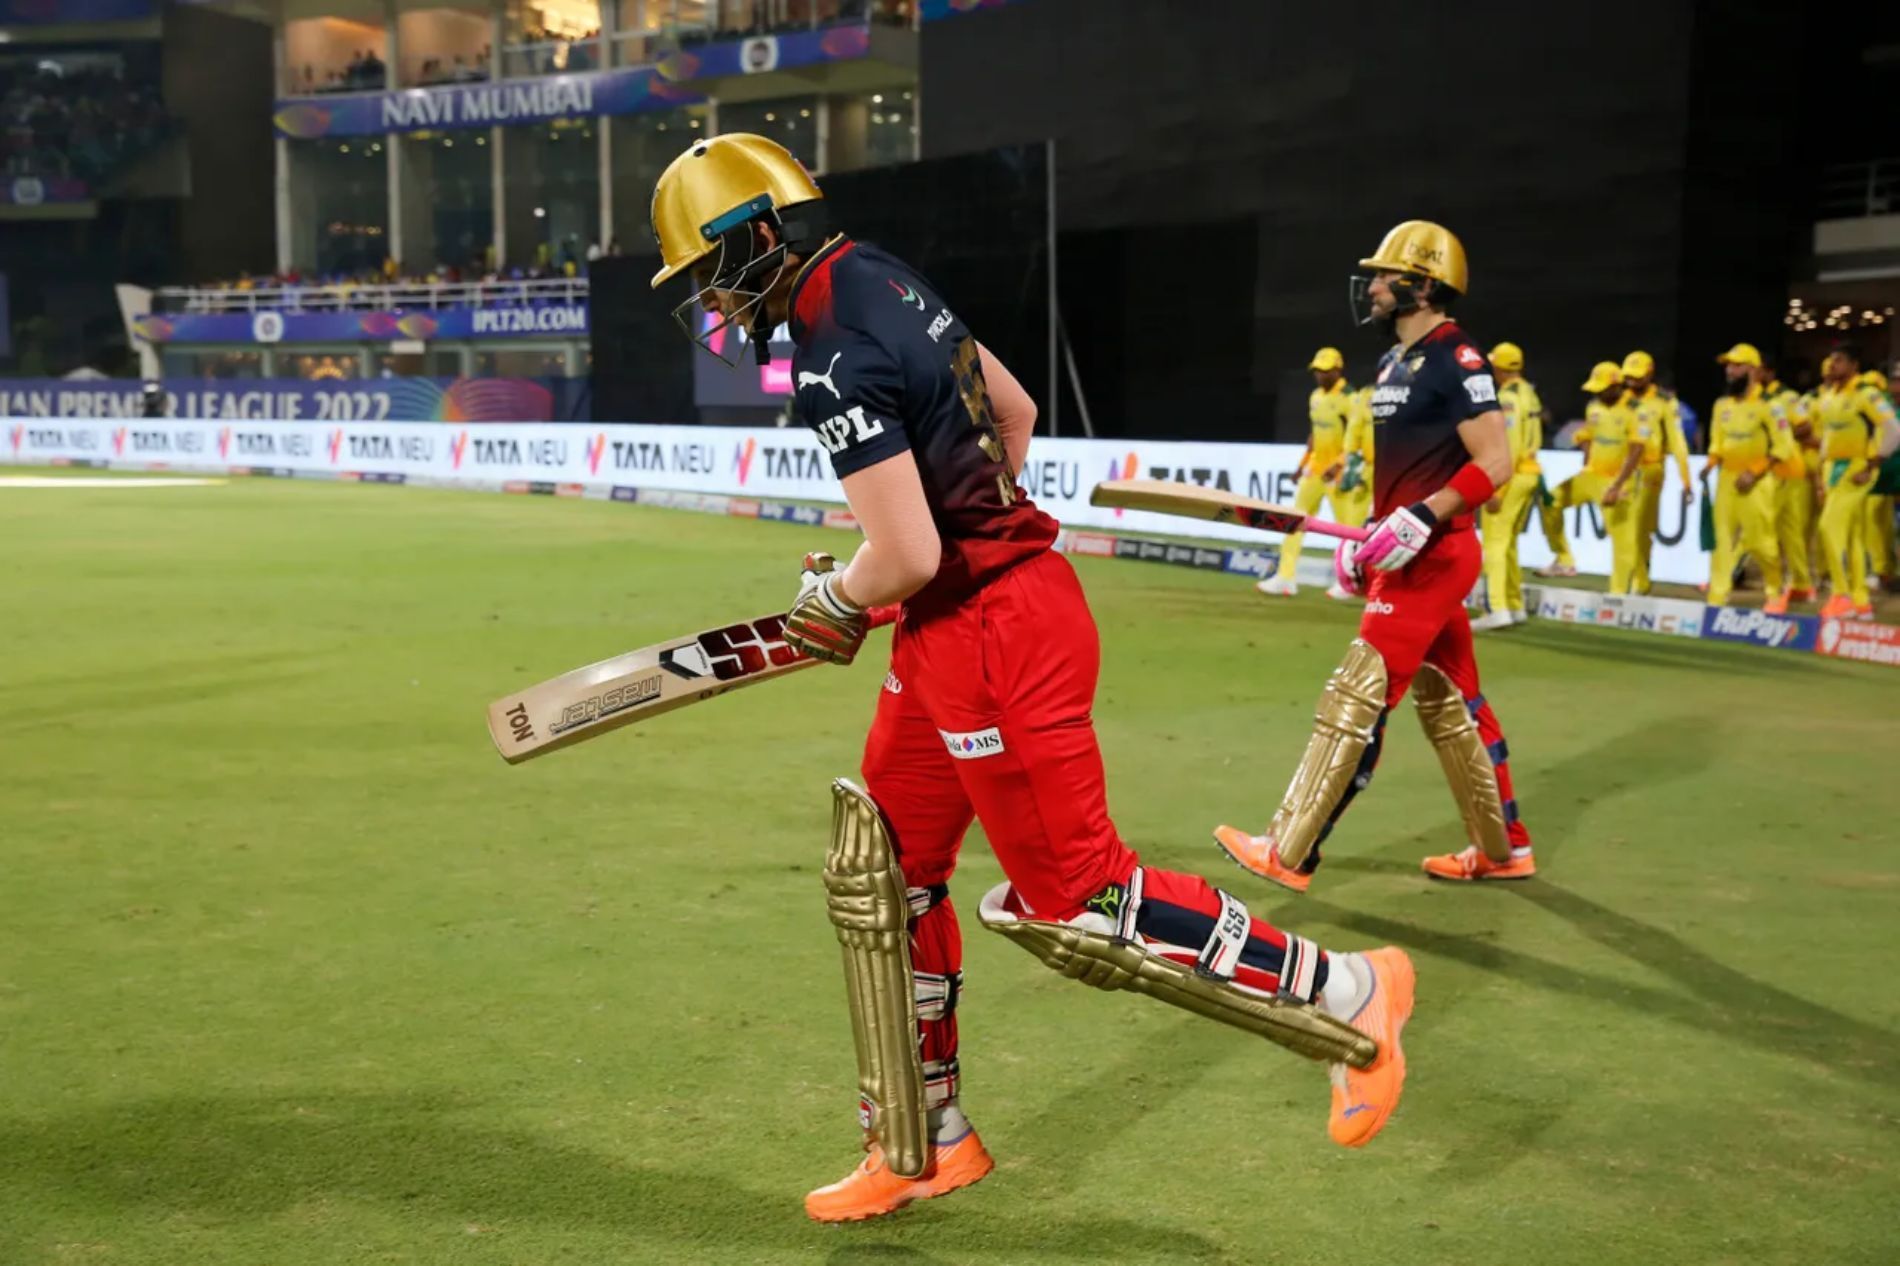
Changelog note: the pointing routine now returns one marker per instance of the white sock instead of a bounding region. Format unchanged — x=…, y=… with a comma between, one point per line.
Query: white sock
x=1348, y=982
x=947, y=1124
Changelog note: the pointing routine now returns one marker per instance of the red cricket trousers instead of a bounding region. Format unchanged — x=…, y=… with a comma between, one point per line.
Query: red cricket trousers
x=1416, y=616
x=986, y=714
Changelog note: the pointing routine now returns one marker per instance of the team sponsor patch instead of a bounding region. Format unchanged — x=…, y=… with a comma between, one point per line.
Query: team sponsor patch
x=1470, y=357
x=892, y=685
x=1481, y=389
x=973, y=746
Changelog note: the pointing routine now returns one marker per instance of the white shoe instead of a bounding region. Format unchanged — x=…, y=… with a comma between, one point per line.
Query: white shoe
x=1520, y=617
x=1339, y=593
x=1557, y=569
x=1495, y=620
x=1276, y=587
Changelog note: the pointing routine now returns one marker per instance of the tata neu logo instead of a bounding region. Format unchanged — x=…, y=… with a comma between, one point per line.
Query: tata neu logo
x=742, y=459
x=224, y=443
x=17, y=434
x=118, y=441
x=596, y=448
x=458, y=449
x=336, y=444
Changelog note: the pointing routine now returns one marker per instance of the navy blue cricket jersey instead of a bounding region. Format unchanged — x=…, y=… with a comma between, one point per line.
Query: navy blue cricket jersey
x=883, y=366
x=1420, y=395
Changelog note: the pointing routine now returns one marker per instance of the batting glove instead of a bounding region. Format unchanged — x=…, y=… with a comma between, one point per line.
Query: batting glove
x=1346, y=569
x=1354, y=474
x=1398, y=538
x=823, y=623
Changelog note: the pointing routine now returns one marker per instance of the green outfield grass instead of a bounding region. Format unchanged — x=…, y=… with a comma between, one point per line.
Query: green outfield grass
x=294, y=970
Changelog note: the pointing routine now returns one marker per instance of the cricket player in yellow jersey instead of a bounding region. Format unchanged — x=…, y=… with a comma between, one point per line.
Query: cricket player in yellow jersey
x=1656, y=408
x=1794, y=490
x=1850, y=415
x=1331, y=410
x=1355, y=481
x=1881, y=552
x=1615, y=443
x=1747, y=439
x=1804, y=425
x=1507, y=512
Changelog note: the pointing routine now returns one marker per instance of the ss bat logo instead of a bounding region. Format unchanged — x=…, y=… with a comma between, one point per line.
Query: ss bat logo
x=738, y=650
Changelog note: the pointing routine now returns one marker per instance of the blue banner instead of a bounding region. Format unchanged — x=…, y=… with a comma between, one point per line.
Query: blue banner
x=628, y=91
x=543, y=320
x=761, y=54
x=1756, y=627
x=607, y=92
x=292, y=400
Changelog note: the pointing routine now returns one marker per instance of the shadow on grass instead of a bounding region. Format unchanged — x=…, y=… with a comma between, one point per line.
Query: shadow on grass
x=1724, y=1000
x=243, y=1156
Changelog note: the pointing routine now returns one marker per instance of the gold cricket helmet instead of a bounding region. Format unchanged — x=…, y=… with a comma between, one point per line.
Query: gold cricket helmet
x=1425, y=249
x=1508, y=357
x=717, y=185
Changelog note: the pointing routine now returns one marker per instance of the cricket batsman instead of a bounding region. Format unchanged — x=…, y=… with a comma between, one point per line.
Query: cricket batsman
x=1332, y=410
x=1443, y=451
x=985, y=712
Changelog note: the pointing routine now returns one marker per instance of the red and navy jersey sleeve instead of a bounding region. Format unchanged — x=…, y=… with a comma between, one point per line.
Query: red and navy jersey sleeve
x=1477, y=392
x=850, y=390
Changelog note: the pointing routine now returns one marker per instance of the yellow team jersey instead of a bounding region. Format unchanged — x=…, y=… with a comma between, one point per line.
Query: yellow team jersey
x=1359, y=425
x=1786, y=403
x=1611, y=430
x=1660, y=410
x=1848, y=422
x=1524, y=420
x=1747, y=433
x=1330, y=410
x=1807, y=408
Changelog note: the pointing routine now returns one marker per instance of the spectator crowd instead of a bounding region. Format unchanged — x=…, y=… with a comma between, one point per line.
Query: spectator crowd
x=78, y=124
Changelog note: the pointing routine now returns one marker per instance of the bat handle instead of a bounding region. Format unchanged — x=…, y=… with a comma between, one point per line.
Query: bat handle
x=1342, y=531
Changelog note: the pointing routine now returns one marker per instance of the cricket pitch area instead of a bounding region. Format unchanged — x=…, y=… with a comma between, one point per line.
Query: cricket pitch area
x=295, y=970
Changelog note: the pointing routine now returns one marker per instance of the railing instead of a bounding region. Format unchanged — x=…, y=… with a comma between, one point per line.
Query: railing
x=404, y=296
x=1851, y=190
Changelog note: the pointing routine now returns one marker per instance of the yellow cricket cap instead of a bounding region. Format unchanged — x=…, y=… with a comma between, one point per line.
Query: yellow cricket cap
x=1327, y=358
x=1740, y=354
x=1603, y=376
x=1639, y=365
x=1508, y=357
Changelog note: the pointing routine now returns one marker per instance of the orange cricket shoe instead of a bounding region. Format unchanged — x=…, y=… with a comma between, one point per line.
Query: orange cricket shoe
x=1837, y=607
x=1471, y=863
x=1258, y=854
x=1863, y=611
x=1777, y=605
x=872, y=1190
x=1363, y=1098
x=1801, y=595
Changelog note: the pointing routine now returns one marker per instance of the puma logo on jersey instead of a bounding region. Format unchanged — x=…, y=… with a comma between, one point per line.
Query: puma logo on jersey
x=808, y=379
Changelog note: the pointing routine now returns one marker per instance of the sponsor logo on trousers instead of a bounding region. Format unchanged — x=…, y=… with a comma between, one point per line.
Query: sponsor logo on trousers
x=974, y=745
x=1377, y=607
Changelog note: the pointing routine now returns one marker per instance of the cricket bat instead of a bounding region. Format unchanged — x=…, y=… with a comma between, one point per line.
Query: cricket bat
x=1191, y=501
x=642, y=684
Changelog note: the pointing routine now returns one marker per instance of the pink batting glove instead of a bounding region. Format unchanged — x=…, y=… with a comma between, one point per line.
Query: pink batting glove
x=1398, y=538
x=1346, y=568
